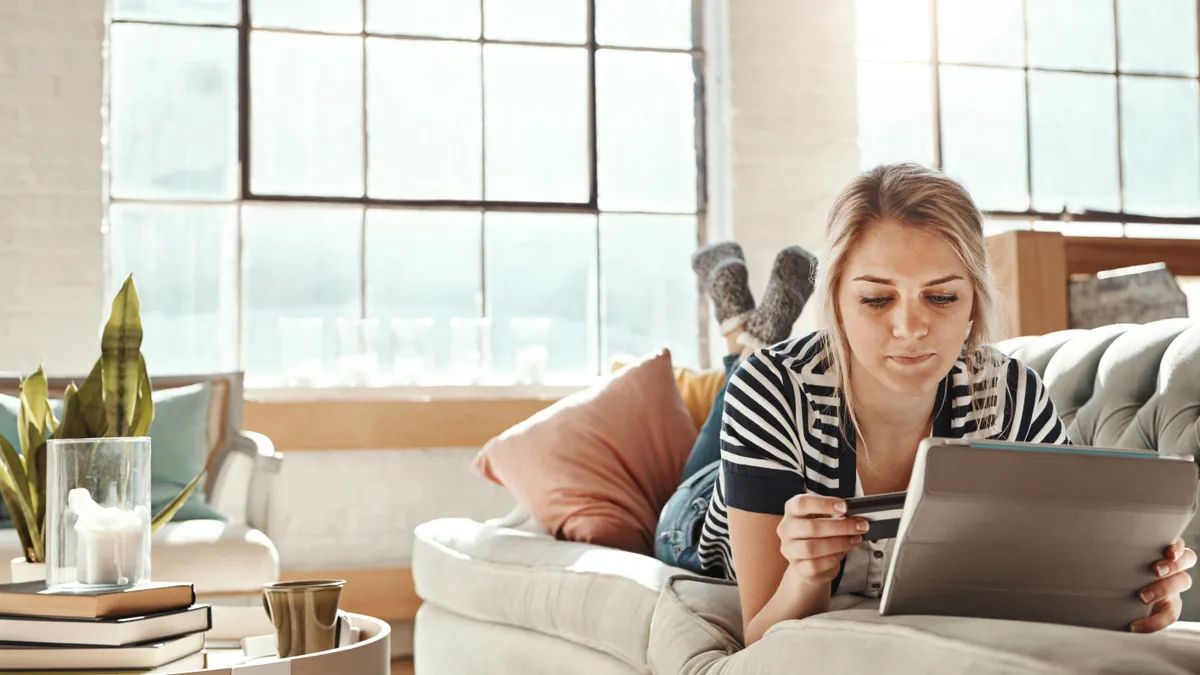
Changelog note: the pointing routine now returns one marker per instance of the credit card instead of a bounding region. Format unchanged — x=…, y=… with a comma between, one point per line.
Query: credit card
x=882, y=511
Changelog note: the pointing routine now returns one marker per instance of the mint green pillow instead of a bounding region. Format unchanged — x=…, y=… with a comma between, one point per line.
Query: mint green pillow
x=178, y=446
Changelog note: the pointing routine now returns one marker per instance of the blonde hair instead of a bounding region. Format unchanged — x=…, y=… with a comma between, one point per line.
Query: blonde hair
x=920, y=198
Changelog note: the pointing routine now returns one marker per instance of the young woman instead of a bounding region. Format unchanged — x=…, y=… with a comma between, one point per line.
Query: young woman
x=906, y=303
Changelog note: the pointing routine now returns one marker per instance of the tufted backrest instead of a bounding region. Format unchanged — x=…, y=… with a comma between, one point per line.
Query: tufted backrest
x=1125, y=386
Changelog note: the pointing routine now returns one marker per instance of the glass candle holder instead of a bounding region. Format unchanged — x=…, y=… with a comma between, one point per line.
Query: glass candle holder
x=358, y=360
x=470, y=349
x=412, y=349
x=97, y=512
x=532, y=336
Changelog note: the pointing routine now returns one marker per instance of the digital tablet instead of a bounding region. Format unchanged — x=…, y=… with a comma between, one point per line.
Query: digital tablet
x=1034, y=532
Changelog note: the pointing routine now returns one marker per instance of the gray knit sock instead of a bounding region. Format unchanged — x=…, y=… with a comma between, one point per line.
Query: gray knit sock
x=729, y=287
x=788, y=289
x=706, y=259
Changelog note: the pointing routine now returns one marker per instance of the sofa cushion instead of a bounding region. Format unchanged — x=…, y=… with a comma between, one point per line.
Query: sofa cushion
x=599, y=465
x=596, y=597
x=217, y=557
x=181, y=439
x=697, y=628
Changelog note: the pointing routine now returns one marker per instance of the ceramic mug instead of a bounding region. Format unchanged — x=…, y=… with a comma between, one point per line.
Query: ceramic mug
x=305, y=615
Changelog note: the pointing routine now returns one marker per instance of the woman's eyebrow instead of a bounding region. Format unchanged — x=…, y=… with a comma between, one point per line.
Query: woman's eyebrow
x=888, y=282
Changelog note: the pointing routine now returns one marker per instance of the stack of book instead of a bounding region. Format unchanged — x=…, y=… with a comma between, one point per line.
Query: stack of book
x=151, y=627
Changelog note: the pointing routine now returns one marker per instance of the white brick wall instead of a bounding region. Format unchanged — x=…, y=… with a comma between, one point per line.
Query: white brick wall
x=51, y=246
x=793, y=124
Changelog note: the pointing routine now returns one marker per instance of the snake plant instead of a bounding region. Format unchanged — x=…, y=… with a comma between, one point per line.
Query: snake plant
x=113, y=401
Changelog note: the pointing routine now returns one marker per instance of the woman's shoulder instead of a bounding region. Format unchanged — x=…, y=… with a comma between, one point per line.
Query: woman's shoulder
x=804, y=359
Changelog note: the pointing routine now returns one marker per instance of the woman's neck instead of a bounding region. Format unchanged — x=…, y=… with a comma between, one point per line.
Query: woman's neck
x=879, y=412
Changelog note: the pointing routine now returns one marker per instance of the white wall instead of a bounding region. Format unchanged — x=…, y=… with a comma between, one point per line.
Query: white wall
x=51, y=248
x=793, y=124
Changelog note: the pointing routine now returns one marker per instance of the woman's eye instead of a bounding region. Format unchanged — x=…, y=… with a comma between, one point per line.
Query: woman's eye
x=943, y=300
x=876, y=303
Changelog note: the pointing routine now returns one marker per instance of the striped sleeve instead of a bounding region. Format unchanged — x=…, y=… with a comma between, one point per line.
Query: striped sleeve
x=760, y=445
x=1034, y=418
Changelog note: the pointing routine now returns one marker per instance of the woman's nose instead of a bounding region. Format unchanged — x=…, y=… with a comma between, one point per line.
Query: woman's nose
x=909, y=322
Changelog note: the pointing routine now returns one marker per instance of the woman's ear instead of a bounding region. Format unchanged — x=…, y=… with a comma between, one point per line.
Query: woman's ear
x=967, y=335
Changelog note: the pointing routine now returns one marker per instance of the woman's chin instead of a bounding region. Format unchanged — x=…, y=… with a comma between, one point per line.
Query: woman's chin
x=912, y=380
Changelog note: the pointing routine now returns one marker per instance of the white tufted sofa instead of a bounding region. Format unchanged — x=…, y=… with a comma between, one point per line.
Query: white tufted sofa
x=504, y=597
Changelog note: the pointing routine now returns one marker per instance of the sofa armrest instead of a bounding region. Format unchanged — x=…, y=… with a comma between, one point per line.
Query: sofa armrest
x=242, y=487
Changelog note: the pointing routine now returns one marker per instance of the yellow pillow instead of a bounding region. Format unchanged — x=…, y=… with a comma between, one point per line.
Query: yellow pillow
x=698, y=387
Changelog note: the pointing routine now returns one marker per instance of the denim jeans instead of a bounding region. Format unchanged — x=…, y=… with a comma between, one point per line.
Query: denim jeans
x=678, y=532
x=679, y=524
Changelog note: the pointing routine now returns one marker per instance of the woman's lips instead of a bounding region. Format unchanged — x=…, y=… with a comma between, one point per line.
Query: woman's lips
x=911, y=360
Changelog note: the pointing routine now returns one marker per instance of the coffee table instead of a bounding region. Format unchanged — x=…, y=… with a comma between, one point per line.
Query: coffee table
x=371, y=655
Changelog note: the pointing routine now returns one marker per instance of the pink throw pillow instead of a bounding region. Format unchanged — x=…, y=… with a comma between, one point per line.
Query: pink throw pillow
x=599, y=465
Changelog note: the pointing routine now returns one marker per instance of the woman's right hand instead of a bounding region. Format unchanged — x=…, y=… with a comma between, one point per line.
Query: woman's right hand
x=814, y=535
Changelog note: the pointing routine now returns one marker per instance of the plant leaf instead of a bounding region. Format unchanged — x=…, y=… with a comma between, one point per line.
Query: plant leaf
x=15, y=466
x=35, y=398
x=90, y=399
x=168, y=512
x=120, y=347
x=15, y=489
x=34, y=457
x=20, y=523
x=73, y=424
x=143, y=417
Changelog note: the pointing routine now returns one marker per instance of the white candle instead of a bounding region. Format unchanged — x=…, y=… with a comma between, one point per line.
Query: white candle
x=109, y=545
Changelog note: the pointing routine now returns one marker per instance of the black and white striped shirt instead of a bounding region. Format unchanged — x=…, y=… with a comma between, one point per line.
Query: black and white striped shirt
x=782, y=430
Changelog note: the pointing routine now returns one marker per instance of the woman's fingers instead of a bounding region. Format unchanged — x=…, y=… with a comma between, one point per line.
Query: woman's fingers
x=814, y=567
x=1165, y=613
x=816, y=528
x=1176, y=549
x=1161, y=589
x=803, y=549
x=809, y=505
x=1167, y=567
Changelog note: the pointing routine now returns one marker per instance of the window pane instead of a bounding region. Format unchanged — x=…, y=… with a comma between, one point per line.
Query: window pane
x=894, y=30
x=306, y=115
x=1160, y=146
x=1076, y=34
x=895, y=113
x=425, y=119
x=1162, y=231
x=666, y=24
x=650, y=298
x=178, y=11
x=994, y=226
x=543, y=266
x=1073, y=131
x=987, y=33
x=1078, y=229
x=184, y=262
x=443, y=18
x=174, y=112
x=422, y=265
x=327, y=16
x=646, y=131
x=1157, y=37
x=297, y=263
x=536, y=116
x=983, y=134
x=536, y=20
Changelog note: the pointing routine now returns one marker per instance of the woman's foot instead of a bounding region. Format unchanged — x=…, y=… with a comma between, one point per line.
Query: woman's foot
x=788, y=290
x=721, y=268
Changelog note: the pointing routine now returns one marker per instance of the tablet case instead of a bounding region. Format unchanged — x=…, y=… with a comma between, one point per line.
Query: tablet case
x=1051, y=533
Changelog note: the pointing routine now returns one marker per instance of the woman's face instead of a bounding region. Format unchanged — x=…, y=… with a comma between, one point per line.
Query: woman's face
x=905, y=304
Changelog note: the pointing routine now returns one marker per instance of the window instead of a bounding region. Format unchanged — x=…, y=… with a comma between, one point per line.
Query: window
x=1083, y=111
x=403, y=191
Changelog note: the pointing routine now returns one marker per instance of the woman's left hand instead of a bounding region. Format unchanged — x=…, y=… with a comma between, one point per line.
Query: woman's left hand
x=1163, y=594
